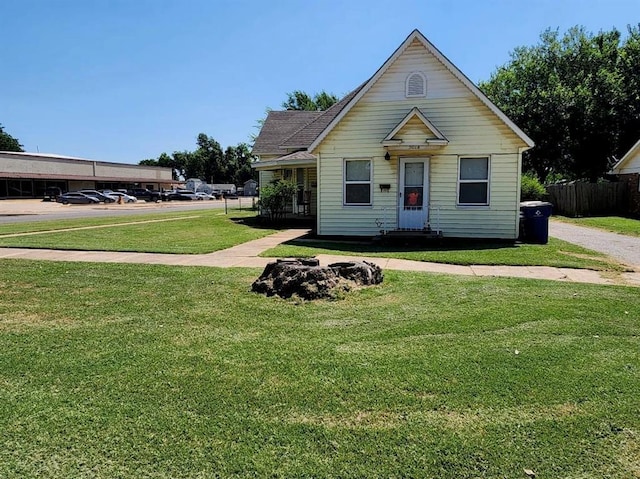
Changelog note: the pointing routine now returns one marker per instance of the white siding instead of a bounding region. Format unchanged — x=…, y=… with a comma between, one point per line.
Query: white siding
x=469, y=125
x=631, y=166
x=415, y=131
x=265, y=177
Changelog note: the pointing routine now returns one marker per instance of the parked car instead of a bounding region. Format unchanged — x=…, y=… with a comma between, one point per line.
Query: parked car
x=217, y=193
x=51, y=193
x=145, y=194
x=125, y=197
x=101, y=197
x=77, y=198
x=204, y=196
x=181, y=195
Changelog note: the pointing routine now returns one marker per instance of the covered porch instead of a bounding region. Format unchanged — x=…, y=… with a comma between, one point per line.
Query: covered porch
x=300, y=168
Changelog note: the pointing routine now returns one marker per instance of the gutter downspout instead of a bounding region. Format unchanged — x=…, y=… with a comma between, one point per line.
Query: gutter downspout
x=521, y=150
x=318, y=195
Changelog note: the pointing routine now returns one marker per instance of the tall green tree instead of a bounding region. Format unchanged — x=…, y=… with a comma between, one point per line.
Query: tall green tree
x=238, y=159
x=208, y=162
x=629, y=64
x=8, y=142
x=300, y=100
x=185, y=165
x=569, y=94
x=211, y=160
x=149, y=162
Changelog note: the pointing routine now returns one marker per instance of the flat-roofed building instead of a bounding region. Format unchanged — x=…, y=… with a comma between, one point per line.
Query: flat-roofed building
x=28, y=175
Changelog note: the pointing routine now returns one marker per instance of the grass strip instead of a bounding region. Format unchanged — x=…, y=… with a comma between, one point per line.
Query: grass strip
x=207, y=232
x=116, y=370
x=556, y=253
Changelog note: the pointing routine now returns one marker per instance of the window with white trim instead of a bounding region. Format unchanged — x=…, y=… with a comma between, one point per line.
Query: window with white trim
x=473, y=181
x=357, y=182
x=416, y=85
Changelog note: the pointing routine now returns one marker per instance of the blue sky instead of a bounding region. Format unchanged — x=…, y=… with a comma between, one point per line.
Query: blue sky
x=125, y=80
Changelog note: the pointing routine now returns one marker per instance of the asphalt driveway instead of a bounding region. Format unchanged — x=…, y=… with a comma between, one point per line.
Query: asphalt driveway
x=625, y=249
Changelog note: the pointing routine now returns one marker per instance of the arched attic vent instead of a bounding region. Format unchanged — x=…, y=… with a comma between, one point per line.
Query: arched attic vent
x=416, y=85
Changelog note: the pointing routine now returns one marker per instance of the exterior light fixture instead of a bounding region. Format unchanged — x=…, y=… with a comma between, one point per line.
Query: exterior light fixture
x=387, y=156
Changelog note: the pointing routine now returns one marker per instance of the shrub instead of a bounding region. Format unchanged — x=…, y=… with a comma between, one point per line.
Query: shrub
x=531, y=188
x=275, y=197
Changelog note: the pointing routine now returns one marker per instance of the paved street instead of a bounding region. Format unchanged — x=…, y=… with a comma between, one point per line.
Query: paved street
x=19, y=211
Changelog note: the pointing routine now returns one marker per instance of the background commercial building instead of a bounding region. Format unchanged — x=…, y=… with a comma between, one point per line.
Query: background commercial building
x=28, y=175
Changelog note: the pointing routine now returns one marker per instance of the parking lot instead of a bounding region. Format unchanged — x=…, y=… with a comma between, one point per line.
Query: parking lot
x=14, y=211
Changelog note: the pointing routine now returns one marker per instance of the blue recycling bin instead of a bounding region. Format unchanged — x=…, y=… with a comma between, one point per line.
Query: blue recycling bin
x=534, y=217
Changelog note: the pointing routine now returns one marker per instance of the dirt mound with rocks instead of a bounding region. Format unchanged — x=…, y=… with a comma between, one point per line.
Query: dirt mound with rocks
x=306, y=279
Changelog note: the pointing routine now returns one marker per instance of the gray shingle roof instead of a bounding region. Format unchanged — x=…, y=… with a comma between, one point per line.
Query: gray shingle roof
x=307, y=134
x=288, y=130
x=278, y=126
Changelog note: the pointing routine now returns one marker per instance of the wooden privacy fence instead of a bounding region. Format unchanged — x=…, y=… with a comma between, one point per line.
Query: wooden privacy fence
x=588, y=199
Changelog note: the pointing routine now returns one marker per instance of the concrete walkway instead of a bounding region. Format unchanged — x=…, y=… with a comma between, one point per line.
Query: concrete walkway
x=246, y=255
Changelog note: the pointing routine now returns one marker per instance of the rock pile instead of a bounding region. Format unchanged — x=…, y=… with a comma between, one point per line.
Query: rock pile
x=308, y=280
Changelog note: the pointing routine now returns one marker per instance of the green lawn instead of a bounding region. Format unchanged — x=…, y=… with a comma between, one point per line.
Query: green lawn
x=615, y=224
x=114, y=370
x=197, y=232
x=556, y=253
x=191, y=232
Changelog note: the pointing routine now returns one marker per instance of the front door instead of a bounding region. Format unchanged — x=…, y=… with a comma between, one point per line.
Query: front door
x=413, y=203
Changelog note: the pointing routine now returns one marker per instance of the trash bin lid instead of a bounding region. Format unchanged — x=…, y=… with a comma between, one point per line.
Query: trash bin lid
x=534, y=204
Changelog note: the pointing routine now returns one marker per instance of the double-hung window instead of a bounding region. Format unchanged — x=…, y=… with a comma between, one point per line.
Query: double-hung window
x=357, y=182
x=473, y=181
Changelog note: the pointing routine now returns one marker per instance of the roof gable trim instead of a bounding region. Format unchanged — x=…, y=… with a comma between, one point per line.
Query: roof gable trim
x=447, y=63
x=635, y=149
x=415, y=112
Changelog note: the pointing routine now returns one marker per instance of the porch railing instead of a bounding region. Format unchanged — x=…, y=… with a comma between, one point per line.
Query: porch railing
x=389, y=222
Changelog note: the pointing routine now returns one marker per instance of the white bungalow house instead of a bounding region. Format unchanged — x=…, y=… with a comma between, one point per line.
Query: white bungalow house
x=416, y=147
x=628, y=169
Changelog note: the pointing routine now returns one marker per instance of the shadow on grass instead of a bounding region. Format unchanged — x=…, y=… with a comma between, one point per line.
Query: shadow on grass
x=260, y=222
x=364, y=246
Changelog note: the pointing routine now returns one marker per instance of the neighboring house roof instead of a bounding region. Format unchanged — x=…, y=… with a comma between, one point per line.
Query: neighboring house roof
x=626, y=162
x=278, y=126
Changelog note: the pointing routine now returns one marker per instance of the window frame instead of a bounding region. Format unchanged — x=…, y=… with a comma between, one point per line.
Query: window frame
x=356, y=182
x=424, y=85
x=486, y=181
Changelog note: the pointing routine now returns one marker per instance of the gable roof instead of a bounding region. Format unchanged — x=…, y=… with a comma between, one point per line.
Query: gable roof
x=416, y=113
x=288, y=130
x=308, y=133
x=628, y=156
x=416, y=35
x=291, y=130
x=278, y=126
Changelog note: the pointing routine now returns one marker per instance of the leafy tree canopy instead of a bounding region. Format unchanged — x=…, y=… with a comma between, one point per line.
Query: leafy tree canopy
x=8, y=142
x=577, y=96
x=299, y=100
x=208, y=162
